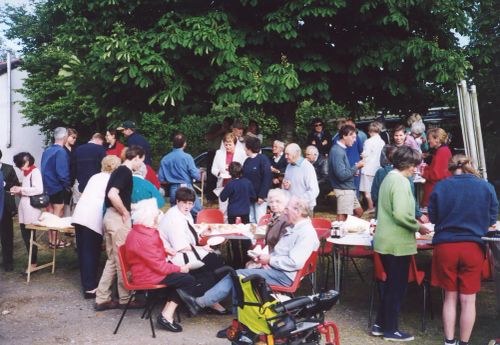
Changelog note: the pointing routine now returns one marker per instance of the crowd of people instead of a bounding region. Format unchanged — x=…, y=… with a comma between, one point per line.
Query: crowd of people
x=113, y=195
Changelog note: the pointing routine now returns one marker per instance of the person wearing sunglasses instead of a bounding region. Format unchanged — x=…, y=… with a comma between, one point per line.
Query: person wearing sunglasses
x=320, y=137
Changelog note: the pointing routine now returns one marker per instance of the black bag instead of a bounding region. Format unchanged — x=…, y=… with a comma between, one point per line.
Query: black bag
x=39, y=200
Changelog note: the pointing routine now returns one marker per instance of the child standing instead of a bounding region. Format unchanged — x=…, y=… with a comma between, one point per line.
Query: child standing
x=240, y=193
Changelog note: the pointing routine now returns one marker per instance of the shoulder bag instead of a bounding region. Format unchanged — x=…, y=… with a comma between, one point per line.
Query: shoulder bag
x=39, y=200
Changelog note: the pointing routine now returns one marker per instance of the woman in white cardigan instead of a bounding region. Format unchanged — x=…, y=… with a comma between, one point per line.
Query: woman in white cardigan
x=372, y=150
x=220, y=167
x=32, y=185
x=87, y=219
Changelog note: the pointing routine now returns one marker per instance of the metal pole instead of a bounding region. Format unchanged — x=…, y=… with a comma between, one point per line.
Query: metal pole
x=479, y=132
x=9, y=100
x=462, y=119
x=469, y=123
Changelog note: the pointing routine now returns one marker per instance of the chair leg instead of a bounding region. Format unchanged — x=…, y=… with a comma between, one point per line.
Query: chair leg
x=424, y=287
x=151, y=323
x=429, y=296
x=372, y=302
x=327, y=274
x=124, y=312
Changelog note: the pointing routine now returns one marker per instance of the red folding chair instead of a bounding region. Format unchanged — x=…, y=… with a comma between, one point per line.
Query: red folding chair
x=134, y=288
x=309, y=270
x=264, y=220
x=210, y=215
x=414, y=275
x=323, y=227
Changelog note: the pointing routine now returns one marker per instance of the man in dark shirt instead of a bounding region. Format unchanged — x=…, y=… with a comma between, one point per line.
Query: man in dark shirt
x=116, y=227
x=87, y=160
x=278, y=163
x=135, y=139
x=9, y=210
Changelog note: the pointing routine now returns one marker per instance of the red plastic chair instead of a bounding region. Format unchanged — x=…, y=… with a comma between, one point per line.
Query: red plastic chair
x=210, y=215
x=414, y=275
x=309, y=269
x=323, y=228
x=134, y=287
x=486, y=272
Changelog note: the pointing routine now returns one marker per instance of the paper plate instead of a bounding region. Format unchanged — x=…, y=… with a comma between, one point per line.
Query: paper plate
x=216, y=240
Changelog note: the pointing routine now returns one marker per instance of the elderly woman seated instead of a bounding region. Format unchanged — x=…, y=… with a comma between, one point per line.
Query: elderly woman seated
x=277, y=200
x=150, y=266
x=177, y=231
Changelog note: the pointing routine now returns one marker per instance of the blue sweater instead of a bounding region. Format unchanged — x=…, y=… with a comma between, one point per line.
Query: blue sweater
x=240, y=193
x=462, y=207
x=138, y=140
x=258, y=171
x=55, y=169
x=86, y=162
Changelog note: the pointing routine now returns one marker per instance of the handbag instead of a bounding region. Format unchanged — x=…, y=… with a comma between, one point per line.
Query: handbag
x=39, y=200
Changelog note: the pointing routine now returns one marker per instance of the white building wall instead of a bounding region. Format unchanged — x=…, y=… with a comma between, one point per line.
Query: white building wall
x=23, y=138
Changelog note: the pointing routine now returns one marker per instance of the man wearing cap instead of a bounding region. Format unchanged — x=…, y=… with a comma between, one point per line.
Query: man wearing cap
x=135, y=139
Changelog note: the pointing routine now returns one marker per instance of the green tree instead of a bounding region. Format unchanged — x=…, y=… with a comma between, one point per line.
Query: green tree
x=98, y=61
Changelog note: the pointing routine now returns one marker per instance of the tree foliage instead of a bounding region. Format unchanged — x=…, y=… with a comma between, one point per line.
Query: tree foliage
x=97, y=62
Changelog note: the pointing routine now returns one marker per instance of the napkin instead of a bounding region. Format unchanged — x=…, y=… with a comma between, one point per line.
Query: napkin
x=257, y=251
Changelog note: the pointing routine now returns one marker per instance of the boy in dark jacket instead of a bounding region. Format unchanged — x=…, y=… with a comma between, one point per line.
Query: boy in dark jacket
x=240, y=193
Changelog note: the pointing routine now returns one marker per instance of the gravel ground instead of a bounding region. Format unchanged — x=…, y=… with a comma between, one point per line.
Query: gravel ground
x=50, y=310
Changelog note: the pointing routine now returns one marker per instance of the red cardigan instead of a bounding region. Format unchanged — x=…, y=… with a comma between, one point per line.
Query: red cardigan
x=152, y=177
x=116, y=150
x=146, y=256
x=436, y=171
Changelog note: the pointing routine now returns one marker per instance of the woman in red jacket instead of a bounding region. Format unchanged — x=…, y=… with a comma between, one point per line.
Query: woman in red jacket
x=438, y=169
x=147, y=258
x=115, y=146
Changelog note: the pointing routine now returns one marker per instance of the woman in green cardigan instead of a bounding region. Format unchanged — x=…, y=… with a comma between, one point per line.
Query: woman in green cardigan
x=395, y=240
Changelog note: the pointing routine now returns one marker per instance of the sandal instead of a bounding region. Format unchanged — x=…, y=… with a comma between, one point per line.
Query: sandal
x=52, y=245
x=63, y=244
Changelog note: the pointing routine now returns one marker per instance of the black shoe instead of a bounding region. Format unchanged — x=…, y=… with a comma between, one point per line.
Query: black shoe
x=222, y=334
x=169, y=326
x=190, y=302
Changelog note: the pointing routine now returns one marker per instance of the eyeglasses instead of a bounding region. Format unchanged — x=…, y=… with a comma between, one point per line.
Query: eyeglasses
x=318, y=125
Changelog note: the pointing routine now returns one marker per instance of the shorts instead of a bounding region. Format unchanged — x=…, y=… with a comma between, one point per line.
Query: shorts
x=58, y=198
x=457, y=267
x=366, y=183
x=346, y=201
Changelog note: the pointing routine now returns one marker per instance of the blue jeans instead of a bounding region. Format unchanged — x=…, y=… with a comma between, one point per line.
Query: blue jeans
x=220, y=290
x=197, y=204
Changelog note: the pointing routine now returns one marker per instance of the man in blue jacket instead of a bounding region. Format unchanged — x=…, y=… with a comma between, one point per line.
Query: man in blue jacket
x=135, y=139
x=177, y=169
x=56, y=177
x=87, y=160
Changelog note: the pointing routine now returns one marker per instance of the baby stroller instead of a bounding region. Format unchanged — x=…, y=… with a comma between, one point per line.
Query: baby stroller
x=262, y=319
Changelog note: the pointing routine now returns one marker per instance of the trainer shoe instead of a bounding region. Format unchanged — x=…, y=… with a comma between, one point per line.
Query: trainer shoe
x=377, y=330
x=398, y=336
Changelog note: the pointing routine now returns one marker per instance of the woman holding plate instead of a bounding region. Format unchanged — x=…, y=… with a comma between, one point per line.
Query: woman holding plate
x=180, y=238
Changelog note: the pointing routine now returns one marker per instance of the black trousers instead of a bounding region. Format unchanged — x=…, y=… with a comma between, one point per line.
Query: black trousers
x=239, y=248
x=175, y=281
x=7, y=238
x=25, y=233
x=393, y=291
x=88, y=246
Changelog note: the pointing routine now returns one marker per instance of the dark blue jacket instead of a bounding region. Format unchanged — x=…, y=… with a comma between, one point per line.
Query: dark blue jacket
x=86, y=162
x=240, y=193
x=138, y=140
x=258, y=171
x=462, y=207
x=55, y=169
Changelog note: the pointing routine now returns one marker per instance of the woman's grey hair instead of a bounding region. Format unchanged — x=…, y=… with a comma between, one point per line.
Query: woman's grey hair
x=141, y=171
x=60, y=133
x=312, y=149
x=145, y=212
x=279, y=195
x=418, y=127
x=302, y=205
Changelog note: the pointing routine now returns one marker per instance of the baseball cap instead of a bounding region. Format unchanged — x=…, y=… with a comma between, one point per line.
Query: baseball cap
x=127, y=124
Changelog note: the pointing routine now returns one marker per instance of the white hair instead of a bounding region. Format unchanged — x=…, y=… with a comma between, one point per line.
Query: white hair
x=302, y=205
x=141, y=171
x=312, y=149
x=60, y=133
x=279, y=144
x=278, y=195
x=293, y=148
x=418, y=127
x=145, y=212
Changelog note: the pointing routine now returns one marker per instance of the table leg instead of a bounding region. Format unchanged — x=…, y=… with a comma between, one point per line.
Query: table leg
x=29, y=257
x=54, y=255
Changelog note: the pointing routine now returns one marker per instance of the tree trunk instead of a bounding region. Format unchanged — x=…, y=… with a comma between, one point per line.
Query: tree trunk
x=285, y=113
